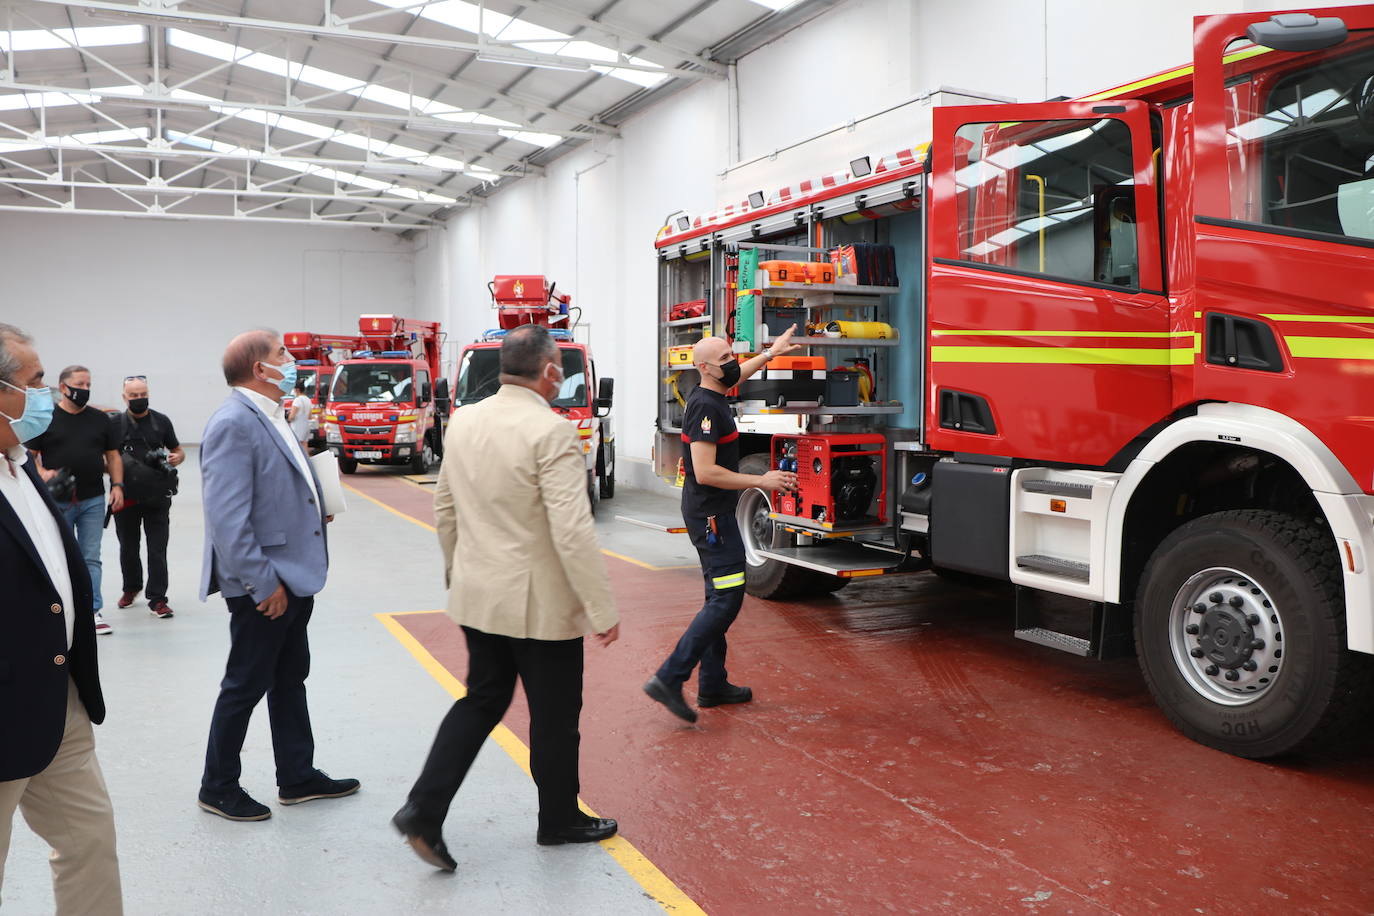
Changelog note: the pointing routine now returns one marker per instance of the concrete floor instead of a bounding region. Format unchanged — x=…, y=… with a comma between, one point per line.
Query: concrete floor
x=374, y=712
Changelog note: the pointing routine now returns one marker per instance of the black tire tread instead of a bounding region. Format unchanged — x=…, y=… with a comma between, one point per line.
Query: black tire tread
x=1312, y=547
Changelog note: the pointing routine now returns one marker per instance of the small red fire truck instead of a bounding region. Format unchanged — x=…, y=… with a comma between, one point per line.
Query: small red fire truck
x=388, y=403
x=1117, y=351
x=316, y=355
x=585, y=400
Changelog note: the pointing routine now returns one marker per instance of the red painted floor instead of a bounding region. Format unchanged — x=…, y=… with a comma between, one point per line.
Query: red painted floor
x=906, y=754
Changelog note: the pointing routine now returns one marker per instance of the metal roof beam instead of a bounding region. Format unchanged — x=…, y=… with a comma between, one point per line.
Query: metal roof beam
x=355, y=221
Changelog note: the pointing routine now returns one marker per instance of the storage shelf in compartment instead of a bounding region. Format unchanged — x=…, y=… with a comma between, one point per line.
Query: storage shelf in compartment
x=678, y=368
x=822, y=529
x=865, y=410
x=829, y=289
x=688, y=322
x=840, y=341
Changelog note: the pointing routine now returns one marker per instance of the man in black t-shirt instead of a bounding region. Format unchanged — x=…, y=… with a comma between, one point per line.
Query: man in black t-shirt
x=709, y=494
x=82, y=441
x=148, y=496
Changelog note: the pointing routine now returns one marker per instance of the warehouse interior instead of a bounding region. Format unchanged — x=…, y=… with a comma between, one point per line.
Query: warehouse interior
x=175, y=172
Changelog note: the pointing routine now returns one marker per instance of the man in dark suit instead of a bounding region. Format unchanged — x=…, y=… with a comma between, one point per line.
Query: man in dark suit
x=266, y=552
x=49, y=682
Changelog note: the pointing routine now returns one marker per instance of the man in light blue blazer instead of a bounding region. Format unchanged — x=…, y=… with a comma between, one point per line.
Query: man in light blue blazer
x=266, y=552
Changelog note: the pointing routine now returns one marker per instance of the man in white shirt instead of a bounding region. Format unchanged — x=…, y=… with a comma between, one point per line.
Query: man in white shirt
x=266, y=552
x=299, y=415
x=49, y=681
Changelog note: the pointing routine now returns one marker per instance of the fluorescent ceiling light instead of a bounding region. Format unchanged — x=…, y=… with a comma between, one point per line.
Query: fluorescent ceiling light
x=509, y=55
x=58, y=39
x=775, y=5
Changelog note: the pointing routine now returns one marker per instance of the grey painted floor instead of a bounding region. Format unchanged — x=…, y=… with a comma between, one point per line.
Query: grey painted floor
x=374, y=710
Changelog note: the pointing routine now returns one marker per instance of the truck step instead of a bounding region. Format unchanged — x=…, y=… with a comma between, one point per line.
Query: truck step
x=1059, y=488
x=845, y=559
x=671, y=526
x=1061, y=641
x=1054, y=566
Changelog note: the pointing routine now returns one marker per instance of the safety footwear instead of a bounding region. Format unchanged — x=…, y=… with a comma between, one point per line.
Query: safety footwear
x=234, y=805
x=101, y=627
x=158, y=608
x=731, y=694
x=318, y=786
x=671, y=698
x=587, y=830
x=127, y=599
x=425, y=840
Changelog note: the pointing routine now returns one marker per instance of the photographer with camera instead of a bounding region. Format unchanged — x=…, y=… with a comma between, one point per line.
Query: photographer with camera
x=82, y=443
x=150, y=451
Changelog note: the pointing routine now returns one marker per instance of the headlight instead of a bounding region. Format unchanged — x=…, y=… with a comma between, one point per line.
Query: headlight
x=405, y=432
x=331, y=433
x=314, y=424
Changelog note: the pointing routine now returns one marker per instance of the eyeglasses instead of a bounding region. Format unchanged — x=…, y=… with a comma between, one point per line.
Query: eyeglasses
x=135, y=378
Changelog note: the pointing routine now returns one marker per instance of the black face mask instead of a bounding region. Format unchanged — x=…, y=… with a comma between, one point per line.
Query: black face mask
x=138, y=405
x=79, y=396
x=729, y=373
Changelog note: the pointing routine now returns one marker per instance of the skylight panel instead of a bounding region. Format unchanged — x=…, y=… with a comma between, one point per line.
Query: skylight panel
x=21, y=100
x=775, y=5
x=96, y=36
x=532, y=137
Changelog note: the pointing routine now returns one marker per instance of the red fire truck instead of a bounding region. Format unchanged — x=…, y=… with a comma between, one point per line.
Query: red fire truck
x=316, y=355
x=387, y=404
x=585, y=400
x=1120, y=353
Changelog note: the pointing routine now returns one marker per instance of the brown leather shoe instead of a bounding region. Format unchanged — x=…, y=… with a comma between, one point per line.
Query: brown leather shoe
x=127, y=599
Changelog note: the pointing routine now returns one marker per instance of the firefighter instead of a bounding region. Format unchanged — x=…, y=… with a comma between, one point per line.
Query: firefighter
x=709, y=494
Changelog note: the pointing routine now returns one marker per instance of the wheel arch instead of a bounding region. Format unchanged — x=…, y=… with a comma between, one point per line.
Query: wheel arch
x=1236, y=456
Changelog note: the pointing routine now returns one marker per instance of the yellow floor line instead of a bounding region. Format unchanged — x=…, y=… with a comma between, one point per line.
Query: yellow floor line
x=655, y=883
x=429, y=527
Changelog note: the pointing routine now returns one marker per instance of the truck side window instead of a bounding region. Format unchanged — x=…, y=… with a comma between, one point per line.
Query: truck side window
x=1301, y=146
x=1050, y=197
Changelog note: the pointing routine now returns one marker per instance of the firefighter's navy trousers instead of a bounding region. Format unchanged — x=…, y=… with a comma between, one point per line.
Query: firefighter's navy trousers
x=722, y=566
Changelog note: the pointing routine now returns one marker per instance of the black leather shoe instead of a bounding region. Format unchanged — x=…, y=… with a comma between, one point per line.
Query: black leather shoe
x=588, y=830
x=661, y=692
x=318, y=786
x=731, y=694
x=426, y=841
x=234, y=805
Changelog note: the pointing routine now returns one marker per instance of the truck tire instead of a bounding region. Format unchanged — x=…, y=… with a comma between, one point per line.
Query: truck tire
x=766, y=578
x=606, y=468
x=591, y=490
x=348, y=465
x=423, y=459
x=1240, y=635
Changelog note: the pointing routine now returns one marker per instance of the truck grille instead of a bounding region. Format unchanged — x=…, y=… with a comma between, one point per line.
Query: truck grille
x=367, y=430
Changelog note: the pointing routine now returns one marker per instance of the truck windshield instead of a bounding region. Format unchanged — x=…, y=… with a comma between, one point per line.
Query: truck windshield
x=309, y=379
x=479, y=377
x=386, y=383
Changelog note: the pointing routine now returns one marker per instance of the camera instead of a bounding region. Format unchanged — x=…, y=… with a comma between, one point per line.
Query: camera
x=160, y=459
x=62, y=486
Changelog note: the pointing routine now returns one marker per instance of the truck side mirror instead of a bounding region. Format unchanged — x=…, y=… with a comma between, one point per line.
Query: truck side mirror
x=441, y=392
x=425, y=393
x=605, y=394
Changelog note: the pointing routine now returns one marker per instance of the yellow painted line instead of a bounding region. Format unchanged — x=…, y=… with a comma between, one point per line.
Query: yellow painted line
x=1146, y=334
x=1330, y=319
x=655, y=883
x=429, y=527
x=1065, y=356
x=1361, y=348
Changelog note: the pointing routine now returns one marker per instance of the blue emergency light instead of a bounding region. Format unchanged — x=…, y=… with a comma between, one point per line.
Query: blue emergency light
x=307, y=362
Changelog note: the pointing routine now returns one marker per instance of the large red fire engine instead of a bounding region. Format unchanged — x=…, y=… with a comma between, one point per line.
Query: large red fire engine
x=1121, y=357
x=387, y=404
x=585, y=400
x=316, y=356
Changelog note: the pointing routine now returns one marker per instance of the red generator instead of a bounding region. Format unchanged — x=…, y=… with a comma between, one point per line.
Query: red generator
x=841, y=479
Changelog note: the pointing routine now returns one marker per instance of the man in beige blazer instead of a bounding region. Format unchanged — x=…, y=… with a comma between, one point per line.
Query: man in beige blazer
x=527, y=582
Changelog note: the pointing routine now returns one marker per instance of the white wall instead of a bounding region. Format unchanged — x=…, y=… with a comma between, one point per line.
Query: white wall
x=162, y=298
x=593, y=230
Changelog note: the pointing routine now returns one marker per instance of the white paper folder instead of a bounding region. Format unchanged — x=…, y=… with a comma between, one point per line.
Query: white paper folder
x=331, y=488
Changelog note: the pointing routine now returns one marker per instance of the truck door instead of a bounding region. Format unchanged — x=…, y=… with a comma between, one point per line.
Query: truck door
x=1284, y=221
x=1049, y=328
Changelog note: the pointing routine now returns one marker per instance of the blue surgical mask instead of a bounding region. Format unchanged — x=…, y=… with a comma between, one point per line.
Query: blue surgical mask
x=37, y=415
x=287, y=382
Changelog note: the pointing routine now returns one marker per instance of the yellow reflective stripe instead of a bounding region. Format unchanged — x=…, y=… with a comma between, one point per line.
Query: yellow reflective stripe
x=1065, y=356
x=1331, y=347
x=1143, y=334
x=734, y=580
x=1172, y=74
x=1329, y=319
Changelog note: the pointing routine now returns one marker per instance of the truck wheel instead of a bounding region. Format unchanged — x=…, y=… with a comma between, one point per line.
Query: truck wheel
x=348, y=465
x=763, y=577
x=607, y=469
x=591, y=490
x=423, y=459
x=1240, y=633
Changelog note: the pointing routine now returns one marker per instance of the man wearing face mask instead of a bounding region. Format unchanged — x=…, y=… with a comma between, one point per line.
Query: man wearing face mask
x=50, y=689
x=266, y=553
x=83, y=441
x=148, y=497
x=527, y=582
x=709, y=494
